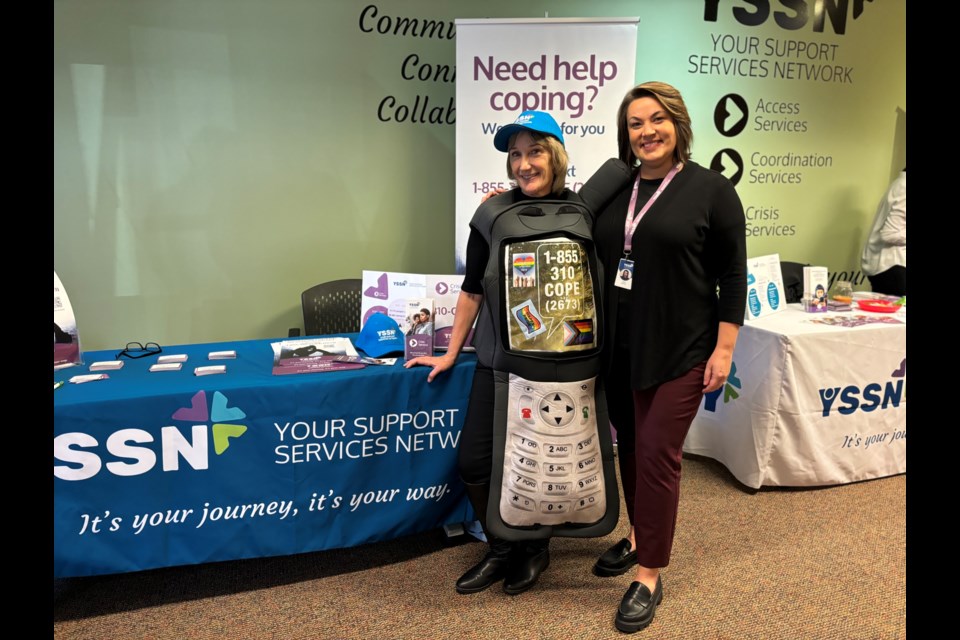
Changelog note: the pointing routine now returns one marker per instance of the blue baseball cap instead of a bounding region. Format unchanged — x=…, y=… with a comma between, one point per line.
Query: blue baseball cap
x=540, y=121
x=380, y=335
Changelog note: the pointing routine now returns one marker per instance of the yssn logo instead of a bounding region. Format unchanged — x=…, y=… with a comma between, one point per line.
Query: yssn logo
x=128, y=452
x=729, y=391
x=792, y=15
x=876, y=395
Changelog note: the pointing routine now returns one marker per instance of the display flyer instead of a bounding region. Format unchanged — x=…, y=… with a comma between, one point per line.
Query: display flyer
x=418, y=328
x=765, y=292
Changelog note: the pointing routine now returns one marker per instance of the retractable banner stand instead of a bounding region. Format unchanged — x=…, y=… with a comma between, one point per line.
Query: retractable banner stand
x=553, y=469
x=577, y=70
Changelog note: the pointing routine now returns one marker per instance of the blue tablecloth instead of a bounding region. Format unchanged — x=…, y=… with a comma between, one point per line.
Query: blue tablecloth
x=155, y=469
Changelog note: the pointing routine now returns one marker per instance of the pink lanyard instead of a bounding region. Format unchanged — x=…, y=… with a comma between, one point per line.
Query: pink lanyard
x=632, y=222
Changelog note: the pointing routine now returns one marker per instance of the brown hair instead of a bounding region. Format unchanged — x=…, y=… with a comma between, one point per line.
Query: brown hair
x=672, y=102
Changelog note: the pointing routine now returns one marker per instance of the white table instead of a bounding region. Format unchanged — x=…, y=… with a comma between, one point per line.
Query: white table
x=810, y=404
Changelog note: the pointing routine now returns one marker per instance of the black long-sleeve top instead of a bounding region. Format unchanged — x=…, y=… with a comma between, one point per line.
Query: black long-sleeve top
x=691, y=241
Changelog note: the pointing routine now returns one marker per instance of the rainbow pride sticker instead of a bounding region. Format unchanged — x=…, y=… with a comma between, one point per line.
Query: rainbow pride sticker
x=529, y=319
x=524, y=270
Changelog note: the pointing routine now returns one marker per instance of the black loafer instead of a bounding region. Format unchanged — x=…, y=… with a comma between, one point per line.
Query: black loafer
x=638, y=607
x=527, y=567
x=616, y=560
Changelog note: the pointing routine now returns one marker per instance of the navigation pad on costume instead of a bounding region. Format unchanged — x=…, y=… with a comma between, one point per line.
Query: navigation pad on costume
x=553, y=472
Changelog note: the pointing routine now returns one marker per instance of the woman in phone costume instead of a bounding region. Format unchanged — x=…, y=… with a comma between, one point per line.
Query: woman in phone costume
x=532, y=458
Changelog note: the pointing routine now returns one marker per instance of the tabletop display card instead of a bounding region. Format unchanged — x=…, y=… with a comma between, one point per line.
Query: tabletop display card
x=66, y=338
x=765, y=293
x=387, y=292
x=313, y=355
x=418, y=328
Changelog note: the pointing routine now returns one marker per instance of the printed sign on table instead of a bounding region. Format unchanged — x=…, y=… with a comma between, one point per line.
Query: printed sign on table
x=66, y=338
x=765, y=293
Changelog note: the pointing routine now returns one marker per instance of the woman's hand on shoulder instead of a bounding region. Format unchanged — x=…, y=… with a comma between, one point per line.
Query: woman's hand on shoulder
x=490, y=194
x=439, y=364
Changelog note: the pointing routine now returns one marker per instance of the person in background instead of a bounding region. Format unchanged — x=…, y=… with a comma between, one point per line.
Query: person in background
x=537, y=161
x=884, y=257
x=671, y=328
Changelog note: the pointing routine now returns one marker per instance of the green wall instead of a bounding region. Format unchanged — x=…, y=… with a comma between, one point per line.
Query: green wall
x=214, y=158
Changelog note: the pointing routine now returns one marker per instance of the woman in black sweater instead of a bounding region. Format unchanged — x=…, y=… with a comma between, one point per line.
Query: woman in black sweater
x=671, y=327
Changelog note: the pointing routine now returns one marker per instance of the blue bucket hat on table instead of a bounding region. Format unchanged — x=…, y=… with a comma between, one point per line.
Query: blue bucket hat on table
x=539, y=121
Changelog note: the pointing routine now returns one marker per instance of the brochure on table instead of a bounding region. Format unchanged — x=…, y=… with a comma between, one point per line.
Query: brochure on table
x=765, y=293
x=66, y=337
x=815, y=284
x=418, y=328
x=387, y=292
x=314, y=355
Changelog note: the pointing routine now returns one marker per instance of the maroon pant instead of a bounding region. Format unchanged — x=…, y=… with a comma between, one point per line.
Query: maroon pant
x=650, y=454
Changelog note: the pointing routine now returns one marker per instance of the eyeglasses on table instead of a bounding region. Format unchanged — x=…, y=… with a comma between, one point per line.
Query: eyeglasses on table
x=136, y=350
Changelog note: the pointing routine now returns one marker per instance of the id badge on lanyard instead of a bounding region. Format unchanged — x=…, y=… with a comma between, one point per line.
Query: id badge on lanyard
x=624, y=278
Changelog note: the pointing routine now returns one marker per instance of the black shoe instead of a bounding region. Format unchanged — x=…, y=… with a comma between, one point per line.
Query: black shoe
x=491, y=569
x=616, y=560
x=638, y=606
x=496, y=564
x=530, y=559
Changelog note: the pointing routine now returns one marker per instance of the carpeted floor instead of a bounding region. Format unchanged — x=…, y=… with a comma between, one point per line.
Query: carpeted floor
x=788, y=564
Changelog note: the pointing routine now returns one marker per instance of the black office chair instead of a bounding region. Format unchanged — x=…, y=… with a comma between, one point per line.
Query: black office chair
x=332, y=307
x=792, y=273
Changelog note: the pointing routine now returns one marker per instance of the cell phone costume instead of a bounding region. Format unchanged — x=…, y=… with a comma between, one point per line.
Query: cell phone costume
x=541, y=330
